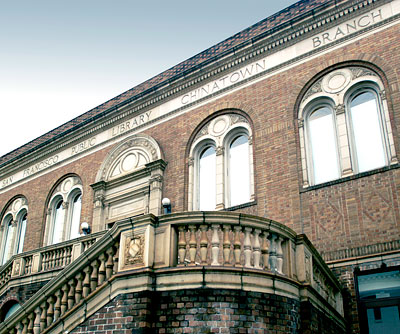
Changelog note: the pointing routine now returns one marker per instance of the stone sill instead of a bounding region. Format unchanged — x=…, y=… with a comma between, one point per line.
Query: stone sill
x=350, y=178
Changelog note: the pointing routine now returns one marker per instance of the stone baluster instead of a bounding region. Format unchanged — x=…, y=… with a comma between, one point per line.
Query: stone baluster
x=265, y=250
x=79, y=287
x=25, y=323
x=272, y=252
x=115, y=257
x=94, y=276
x=44, y=261
x=64, y=299
x=279, y=255
x=256, y=249
x=52, y=261
x=237, y=245
x=57, y=305
x=102, y=268
x=192, y=245
x=36, y=323
x=56, y=257
x=68, y=256
x=226, y=244
x=86, y=282
x=110, y=262
x=19, y=328
x=215, y=245
x=31, y=318
x=62, y=257
x=43, y=316
x=247, y=247
x=182, y=244
x=203, y=244
x=50, y=311
x=71, y=293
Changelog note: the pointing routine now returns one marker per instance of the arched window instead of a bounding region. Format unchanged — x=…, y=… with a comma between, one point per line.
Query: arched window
x=239, y=170
x=64, y=211
x=13, y=228
x=322, y=136
x=22, y=221
x=368, y=141
x=221, y=165
x=76, y=203
x=57, y=221
x=351, y=133
x=206, y=180
x=7, y=239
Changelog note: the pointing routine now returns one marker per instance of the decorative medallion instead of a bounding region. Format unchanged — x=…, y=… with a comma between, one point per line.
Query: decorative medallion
x=336, y=81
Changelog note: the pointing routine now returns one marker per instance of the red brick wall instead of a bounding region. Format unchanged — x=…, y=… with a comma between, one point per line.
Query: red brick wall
x=206, y=311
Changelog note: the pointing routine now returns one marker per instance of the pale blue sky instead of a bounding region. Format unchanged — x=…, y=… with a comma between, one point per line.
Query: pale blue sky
x=59, y=59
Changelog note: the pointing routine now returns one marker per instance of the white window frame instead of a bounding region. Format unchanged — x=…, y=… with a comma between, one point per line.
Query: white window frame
x=350, y=95
x=229, y=138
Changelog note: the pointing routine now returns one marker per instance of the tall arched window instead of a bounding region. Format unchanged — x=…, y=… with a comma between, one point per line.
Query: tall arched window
x=7, y=239
x=57, y=221
x=64, y=211
x=351, y=133
x=322, y=136
x=368, y=141
x=76, y=203
x=221, y=165
x=13, y=228
x=239, y=170
x=22, y=221
x=206, y=180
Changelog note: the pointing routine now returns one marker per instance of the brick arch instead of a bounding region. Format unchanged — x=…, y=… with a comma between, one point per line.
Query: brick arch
x=6, y=304
x=385, y=71
x=9, y=202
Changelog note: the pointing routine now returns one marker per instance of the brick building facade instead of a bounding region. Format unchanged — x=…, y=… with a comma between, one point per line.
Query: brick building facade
x=291, y=125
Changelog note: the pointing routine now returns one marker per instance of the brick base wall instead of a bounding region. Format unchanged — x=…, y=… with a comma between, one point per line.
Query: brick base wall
x=206, y=311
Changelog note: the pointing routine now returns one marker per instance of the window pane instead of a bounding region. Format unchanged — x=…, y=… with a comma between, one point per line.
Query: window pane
x=207, y=190
x=58, y=222
x=9, y=236
x=22, y=234
x=76, y=216
x=239, y=171
x=323, y=145
x=367, y=132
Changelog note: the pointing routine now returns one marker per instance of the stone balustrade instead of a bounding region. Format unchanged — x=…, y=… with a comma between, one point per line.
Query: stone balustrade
x=42, y=260
x=177, y=251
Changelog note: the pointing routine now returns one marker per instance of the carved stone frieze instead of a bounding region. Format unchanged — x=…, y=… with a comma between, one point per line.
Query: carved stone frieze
x=156, y=182
x=382, y=95
x=315, y=88
x=358, y=72
x=134, y=250
x=220, y=150
x=132, y=154
x=340, y=109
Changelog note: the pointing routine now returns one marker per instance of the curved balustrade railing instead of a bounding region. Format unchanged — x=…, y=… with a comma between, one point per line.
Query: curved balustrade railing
x=175, y=244
x=42, y=260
